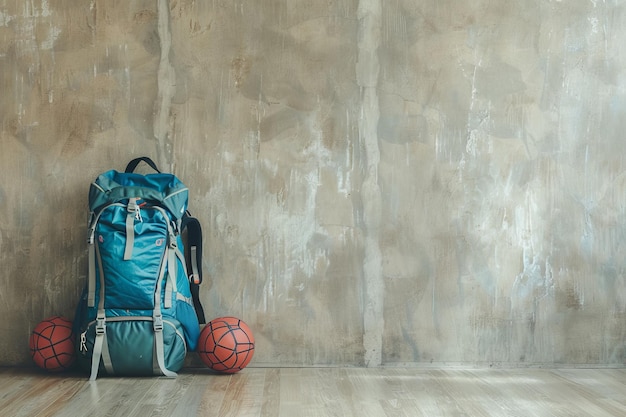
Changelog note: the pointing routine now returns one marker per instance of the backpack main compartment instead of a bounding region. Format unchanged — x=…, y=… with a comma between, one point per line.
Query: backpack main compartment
x=136, y=315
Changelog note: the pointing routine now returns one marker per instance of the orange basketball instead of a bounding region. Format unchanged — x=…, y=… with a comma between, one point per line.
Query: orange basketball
x=52, y=344
x=226, y=345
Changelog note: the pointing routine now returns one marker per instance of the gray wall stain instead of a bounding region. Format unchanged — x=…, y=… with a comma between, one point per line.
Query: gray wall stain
x=367, y=73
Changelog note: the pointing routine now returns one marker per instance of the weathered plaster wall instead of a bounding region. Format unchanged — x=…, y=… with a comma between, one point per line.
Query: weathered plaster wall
x=398, y=182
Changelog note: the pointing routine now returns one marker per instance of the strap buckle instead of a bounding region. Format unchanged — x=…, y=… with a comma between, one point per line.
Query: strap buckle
x=100, y=325
x=157, y=323
x=173, y=244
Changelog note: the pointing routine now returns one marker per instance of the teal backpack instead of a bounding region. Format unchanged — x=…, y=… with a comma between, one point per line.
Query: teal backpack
x=140, y=312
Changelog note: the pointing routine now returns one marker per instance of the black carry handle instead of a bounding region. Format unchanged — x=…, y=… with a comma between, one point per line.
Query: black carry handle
x=133, y=164
x=193, y=258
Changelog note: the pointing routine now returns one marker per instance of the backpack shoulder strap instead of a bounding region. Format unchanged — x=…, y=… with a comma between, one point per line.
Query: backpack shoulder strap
x=193, y=258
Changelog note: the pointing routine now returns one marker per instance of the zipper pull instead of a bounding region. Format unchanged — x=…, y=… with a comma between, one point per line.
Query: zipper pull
x=83, y=341
x=134, y=209
x=138, y=214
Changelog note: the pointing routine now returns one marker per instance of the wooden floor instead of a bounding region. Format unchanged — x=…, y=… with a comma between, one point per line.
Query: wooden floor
x=301, y=392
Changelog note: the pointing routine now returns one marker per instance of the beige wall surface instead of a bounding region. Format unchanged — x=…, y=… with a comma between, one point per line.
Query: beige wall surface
x=379, y=182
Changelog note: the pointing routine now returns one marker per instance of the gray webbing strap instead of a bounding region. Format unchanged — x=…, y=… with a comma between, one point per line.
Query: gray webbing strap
x=157, y=324
x=97, y=346
x=158, y=344
x=100, y=324
x=132, y=214
x=188, y=300
x=195, y=273
x=170, y=282
x=106, y=357
x=91, y=279
x=181, y=258
x=194, y=260
x=156, y=369
x=167, y=303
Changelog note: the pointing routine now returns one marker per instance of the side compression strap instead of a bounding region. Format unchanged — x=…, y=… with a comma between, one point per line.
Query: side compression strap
x=100, y=338
x=91, y=279
x=158, y=345
x=170, y=281
x=157, y=317
x=106, y=357
x=97, y=345
x=194, y=262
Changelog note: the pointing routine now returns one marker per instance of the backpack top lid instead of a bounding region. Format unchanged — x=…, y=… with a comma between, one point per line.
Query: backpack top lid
x=163, y=189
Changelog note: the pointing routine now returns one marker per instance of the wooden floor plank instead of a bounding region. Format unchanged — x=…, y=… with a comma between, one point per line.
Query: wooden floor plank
x=359, y=400
x=308, y=392
x=541, y=392
x=244, y=395
x=444, y=401
x=412, y=395
x=321, y=392
x=51, y=403
x=586, y=394
x=189, y=400
x=510, y=392
x=162, y=398
x=598, y=382
x=271, y=394
x=111, y=397
x=463, y=392
x=205, y=395
x=37, y=394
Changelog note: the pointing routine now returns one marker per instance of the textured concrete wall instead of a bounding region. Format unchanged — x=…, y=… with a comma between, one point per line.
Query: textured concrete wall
x=380, y=182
